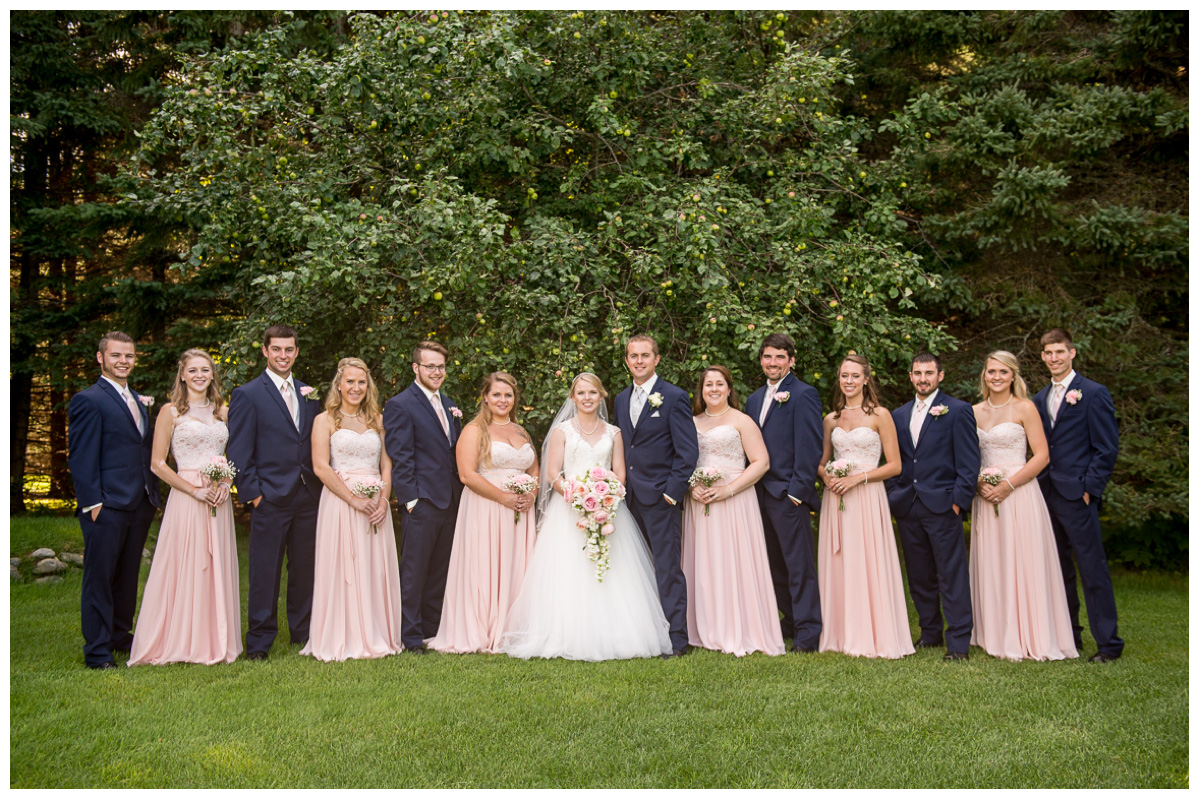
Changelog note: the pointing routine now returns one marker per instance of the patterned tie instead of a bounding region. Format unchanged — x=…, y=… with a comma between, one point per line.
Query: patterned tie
x=1055, y=402
x=762, y=414
x=635, y=408
x=290, y=400
x=441, y=414
x=133, y=409
x=914, y=424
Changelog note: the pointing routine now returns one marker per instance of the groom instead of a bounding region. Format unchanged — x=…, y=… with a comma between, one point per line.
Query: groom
x=108, y=454
x=1081, y=428
x=270, y=430
x=661, y=450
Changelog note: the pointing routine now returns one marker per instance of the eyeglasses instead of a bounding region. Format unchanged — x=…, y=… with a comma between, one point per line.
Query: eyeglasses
x=434, y=368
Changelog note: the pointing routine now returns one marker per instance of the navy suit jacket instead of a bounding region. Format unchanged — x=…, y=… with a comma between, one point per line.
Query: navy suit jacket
x=423, y=462
x=794, y=438
x=943, y=468
x=108, y=459
x=661, y=452
x=273, y=459
x=1083, y=441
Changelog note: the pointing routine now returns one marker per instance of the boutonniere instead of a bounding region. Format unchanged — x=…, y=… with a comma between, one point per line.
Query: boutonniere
x=454, y=412
x=146, y=400
x=782, y=397
x=655, y=400
x=1073, y=397
x=937, y=411
x=309, y=393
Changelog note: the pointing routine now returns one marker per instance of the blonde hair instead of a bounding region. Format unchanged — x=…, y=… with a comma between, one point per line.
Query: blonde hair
x=179, y=392
x=593, y=379
x=368, y=411
x=484, y=416
x=1009, y=360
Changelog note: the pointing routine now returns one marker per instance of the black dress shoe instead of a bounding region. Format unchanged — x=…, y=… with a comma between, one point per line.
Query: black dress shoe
x=105, y=665
x=954, y=657
x=674, y=654
x=921, y=644
x=419, y=650
x=256, y=656
x=1102, y=658
x=804, y=649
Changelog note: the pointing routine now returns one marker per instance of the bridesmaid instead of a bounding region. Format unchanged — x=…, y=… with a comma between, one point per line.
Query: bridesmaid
x=858, y=569
x=356, y=583
x=190, y=608
x=491, y=545
x=730, y=599
x=1017, y=595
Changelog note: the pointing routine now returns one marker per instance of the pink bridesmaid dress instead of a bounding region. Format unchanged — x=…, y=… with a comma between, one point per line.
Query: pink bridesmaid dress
x=730, y=600
x=858, y=567
x=1017, y=596
x=487, y=564
x=190, y=608
x=356, y=582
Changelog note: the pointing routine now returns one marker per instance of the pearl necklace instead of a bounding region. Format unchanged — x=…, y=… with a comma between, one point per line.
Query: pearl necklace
x=726, y=411
x=988, y=400
x=350, y=416
x=509, y=422
x=197, y=405
x=579, y=427
x=852, y=407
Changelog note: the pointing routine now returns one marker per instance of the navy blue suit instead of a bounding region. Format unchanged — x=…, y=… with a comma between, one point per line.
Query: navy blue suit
x=1083, y=452
x=274, y=461
x=110, y=464
x=660, y=454
x=423, y=468
x=939, y=472
x=794, y=439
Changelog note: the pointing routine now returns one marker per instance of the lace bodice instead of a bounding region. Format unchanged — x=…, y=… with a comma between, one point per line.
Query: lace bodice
x=1002, y=446
x=351, y=451
x=506, y=458
x=721, y=447
x=579, y=455
x=194, y=443
x=861, y=446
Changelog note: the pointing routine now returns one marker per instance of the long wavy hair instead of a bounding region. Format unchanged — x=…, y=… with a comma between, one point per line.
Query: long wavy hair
x=870, y=390
x=1009, y=360
x=483, y=418
x=699, y=404
x=368, y=411
x=179, y=392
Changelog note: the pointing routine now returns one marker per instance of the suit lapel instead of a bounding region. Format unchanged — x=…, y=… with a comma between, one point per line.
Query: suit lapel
x=115, y=396
x=623, y=419
x=423, y=401
x=277, y=396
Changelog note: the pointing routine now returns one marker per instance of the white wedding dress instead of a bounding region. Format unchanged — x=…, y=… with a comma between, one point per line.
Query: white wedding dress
x=562, y=611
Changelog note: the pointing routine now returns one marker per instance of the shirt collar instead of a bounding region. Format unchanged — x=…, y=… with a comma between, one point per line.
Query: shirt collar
x=648, y=386
x=428, y=394
x=121, y=390
x=774, y=387
x=1066, y=381
x=279, y=382
x=928, y=401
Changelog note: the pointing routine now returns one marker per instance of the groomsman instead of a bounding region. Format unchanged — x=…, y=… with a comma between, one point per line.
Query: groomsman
x=108, y=454
x=939, y=466
x=422, y=428
x=789, y=412
x=661, y=450
x=270, y=443
x=1081, y=427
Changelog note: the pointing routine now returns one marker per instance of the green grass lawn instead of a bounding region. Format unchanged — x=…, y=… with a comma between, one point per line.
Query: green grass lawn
x=710, y=719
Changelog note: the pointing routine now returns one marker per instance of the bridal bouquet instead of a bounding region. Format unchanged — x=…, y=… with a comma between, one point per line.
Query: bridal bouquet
x=839, y=469
x=596, y=495
x=992, y=476
x=706, y=476
x=370, y=489
x=219, y=469
x=521, y=483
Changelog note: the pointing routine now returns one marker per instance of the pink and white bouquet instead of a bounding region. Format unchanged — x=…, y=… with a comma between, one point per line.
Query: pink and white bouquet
x=219, y=469
x=839, y=469
x=992, y=476
x=370, y=489
x=705, y=476
x=596, y=495
x=521, y=483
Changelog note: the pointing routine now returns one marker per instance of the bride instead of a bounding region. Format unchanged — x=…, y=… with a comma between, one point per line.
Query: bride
x=562, y=610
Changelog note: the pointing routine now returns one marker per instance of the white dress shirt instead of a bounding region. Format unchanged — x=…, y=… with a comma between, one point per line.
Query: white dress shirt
x=637, y=403
x=920, y=411
x=1065, y=383
x=124, y=392
x=432, y=397
x=279, y=382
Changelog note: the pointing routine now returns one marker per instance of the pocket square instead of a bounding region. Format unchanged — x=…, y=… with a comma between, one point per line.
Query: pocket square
x=655, y=414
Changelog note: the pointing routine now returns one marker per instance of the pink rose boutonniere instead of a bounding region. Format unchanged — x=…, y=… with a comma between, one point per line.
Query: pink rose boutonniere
x=309, y=393
x=937, y=411
x=782, y=397
x=146, y=400
x=1073, y=397
x=454, y=412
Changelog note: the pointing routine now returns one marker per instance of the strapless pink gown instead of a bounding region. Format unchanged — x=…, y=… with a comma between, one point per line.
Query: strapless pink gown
x=1017, y=596
x=487, y=564
x=356, y=580
x=730, y=601
x=858, y=568
x=190, y=609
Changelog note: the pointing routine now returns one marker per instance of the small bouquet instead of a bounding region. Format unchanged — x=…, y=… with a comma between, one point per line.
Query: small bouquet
x=992, y=476
x=705, y=476
x=521, y=483
x=596, y=495
x=219, y=469
x=370, y=489
x=839, y=469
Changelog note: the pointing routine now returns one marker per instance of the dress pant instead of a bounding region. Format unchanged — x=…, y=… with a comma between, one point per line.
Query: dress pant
x=427, y=538
x=662, y=525
x=113, y=557
x=935, y=560
x=289, y=527
x=788, y=531
x=1077, y=533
